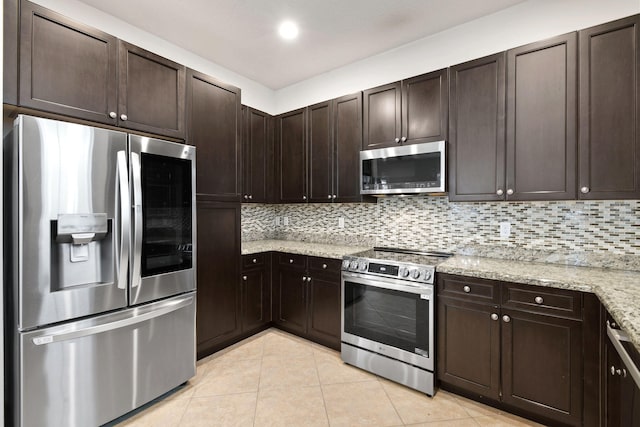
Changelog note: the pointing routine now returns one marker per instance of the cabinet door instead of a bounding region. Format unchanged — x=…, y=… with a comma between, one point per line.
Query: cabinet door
x=218, y=272
x=609, y=149
x=258, y=156
x=289, y=302
x=469, y=346
x=256, y=299
x=425, y=108
x=324, y=301
x=151, y=92
x=476, y=130
x=10, y=20
x=291, y=150
x=214, y=128
x=66, y=67
x=542, y=365
x=541, y=120
x=347, y=136
x=381, y=118
x=319, y=134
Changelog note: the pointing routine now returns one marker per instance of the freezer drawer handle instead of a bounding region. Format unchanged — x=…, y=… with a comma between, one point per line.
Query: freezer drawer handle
x=166, y=308
x=616, y=335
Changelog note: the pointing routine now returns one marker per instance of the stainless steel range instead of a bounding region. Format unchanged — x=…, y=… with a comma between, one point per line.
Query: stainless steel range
x=388, y=314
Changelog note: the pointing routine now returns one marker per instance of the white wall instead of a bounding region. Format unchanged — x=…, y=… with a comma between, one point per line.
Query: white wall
x=253, y=93
x=523, y=23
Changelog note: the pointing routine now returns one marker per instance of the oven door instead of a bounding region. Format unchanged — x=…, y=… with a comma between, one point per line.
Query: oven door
x=389, y=317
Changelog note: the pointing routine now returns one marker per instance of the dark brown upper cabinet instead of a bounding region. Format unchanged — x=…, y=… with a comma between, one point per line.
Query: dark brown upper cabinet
x=408, y=112
x=291, y=157
x=214, y=129
x=151, y=92
x=335, y=137
x=10, y=18
x=258, y=156
x=67, y=67
x=477, y=129
x=72, y=69
x=541, y=120
x=609, y=105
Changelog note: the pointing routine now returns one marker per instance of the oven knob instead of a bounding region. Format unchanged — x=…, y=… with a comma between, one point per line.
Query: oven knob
x=345, y=264
x=362, y=265
x=427, y=275
x=415, y=274
x=354, y=265
x=404, y=272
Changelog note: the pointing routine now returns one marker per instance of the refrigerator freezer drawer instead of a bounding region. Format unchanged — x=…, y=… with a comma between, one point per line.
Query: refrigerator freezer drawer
x=92, y=371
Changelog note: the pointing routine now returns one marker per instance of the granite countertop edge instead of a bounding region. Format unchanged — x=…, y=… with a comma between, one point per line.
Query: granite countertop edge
x=618, y=290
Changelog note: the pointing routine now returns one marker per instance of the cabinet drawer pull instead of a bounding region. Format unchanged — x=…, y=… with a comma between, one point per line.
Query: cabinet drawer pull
x=506, y=319
x=494, y=316
x=250, y=196
x=246, y=197
x=309, y=279
x=304, y=197
x=467, y=289
x=329, y=196
x=538, y=300
x=244, y=277
x=304, y=278
x=254, y=260
x=291, y=261
x=324, y=265
x=334, y=196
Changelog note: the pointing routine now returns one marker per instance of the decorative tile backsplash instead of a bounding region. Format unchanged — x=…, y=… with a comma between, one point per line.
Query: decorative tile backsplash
x=574, y=232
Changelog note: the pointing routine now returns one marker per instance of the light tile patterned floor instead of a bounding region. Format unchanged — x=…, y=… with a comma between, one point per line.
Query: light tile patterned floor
x=277, y=379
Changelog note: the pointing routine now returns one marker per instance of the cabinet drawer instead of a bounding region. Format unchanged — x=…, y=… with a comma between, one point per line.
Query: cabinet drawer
x=479, y=290
x=292, y=260
x=325, y=265
x=557, y=302
x=253, y=261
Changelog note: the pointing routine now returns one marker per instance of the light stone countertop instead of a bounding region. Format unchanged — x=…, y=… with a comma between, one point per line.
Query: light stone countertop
x=302, y=248
x=618, y=290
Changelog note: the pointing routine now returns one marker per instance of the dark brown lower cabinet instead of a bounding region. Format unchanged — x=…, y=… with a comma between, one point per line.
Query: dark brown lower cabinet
x=306, y=297
x=218, y=271
x=256, y=292
x=522, y=348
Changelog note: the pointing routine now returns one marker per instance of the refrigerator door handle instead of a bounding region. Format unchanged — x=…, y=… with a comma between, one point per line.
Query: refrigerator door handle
x=137, y=218
x=165, y=308
x=125, y=221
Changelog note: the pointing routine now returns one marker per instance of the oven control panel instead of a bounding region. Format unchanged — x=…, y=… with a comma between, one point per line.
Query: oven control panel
x=408, y=272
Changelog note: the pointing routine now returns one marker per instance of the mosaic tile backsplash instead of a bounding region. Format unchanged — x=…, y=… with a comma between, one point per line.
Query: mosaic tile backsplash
x=598, y=233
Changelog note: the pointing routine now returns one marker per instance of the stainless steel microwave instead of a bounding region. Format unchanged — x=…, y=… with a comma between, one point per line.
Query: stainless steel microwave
x=408, y=169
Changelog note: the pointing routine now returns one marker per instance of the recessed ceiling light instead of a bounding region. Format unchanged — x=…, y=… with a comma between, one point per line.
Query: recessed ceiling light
x=288, y=30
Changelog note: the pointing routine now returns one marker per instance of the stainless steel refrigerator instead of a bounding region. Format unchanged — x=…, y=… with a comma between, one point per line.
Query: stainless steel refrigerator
x=100, y=241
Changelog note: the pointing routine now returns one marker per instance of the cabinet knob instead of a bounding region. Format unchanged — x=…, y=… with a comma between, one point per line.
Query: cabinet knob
x=324, y=265
x=499, y=192
x=308, y=279
x=584, y=190
x=506, y=319
x=494, y=316
x=397, y=140
x=123, y=117
x=250, y=197
x=244, y=277
x=291, y=261
x=304, y=278
x=304, y=197
x=246, y=197
x=255, y=260
x=538, y=300
x=509, y=192
x=403, y=139
x=113, y=115
x=329, y=197
x=334, y=196
x=466, y=289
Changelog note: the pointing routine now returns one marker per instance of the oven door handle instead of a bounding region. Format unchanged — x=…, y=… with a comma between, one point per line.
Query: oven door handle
x=425, y=291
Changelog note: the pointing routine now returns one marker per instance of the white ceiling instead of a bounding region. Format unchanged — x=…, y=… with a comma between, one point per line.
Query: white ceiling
x=241, y=35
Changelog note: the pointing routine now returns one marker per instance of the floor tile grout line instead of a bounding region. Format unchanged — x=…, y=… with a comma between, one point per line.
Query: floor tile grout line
x=324, y=402
x=392, y=404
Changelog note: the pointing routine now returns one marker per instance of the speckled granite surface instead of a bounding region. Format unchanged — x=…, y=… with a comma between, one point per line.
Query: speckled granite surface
x=303, y=248
x=618, y=290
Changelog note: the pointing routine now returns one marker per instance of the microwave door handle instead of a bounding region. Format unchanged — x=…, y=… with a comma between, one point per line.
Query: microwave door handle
x=137, y=218
x=122, y=259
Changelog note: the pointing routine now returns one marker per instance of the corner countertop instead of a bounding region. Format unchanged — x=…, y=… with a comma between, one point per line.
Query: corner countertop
x=302, y=248
x=618, y=290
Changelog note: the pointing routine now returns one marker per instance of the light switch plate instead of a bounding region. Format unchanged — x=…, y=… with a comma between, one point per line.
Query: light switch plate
x=505, y=230
x=341, y=222
x=285, y=220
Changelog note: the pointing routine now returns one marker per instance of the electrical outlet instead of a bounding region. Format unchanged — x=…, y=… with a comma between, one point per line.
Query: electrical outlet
x=277, y=221
x=285, y=220
x=341, y=222
x=505, y=230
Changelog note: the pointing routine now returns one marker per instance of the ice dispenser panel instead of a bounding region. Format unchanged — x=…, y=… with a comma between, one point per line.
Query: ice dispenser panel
x=82, y=250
